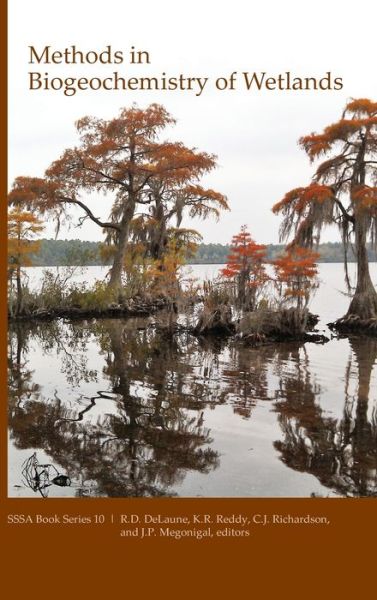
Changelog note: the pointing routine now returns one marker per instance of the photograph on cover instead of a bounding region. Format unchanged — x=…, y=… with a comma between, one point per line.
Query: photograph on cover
x=192, y=231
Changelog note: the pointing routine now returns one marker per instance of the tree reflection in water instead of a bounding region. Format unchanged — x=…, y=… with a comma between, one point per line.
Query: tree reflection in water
x=341, y=453
x=20, y=382
x=246, y=377
x=145, y=431
x=155, y=433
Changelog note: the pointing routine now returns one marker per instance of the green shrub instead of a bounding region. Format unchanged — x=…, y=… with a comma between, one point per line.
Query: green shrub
x=99, y=296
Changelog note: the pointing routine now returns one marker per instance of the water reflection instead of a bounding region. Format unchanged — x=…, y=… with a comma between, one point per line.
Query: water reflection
x=341, y=453
x=147, y=442
x=136, y=423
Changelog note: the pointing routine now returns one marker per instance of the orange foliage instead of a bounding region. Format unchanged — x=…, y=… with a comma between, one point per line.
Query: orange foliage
x=343, y=194
x=245, y=265
x=124, y=153
x=203, y=201
x=124, y=158
x=245, y=255
x=164, y=274
x=296, y=271
x=363, y=114
x=365, y=197
x=301, y=197
x=22, y=227
x=34, y=193
x=343, y=184
x=362, y=106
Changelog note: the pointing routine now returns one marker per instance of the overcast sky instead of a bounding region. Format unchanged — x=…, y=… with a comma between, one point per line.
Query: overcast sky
x=254, y=134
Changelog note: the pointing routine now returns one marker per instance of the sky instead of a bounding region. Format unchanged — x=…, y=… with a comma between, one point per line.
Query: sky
x=253, y=133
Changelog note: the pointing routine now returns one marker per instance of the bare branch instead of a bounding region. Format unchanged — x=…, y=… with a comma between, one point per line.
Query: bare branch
x=89, y=213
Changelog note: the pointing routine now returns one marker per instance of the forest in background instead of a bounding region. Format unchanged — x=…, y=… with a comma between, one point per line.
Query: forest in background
x=70, y=252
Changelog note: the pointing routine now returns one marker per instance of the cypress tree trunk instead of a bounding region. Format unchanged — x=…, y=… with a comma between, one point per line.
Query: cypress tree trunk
x=115, y=282
x=364, y=302
x=19, y=290
x=363, y=435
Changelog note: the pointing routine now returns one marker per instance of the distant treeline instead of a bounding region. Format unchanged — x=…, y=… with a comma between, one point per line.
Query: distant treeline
x=71, y=252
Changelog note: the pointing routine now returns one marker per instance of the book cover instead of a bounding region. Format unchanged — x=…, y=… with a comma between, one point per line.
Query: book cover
x=190, y=355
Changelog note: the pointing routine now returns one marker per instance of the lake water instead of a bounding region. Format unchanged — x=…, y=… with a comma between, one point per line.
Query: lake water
x=124, y=411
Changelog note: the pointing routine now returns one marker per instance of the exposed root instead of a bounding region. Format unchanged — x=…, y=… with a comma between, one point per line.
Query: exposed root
x=355, y=324
x=215, y=322
x=130, y=309
x=364, y=305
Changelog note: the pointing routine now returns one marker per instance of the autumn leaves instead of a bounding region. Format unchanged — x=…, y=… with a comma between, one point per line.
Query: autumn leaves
x=149, y=185
x=343, y=193
x=293, y=274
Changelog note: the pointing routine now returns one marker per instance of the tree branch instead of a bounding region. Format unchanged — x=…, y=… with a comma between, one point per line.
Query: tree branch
x=345, y=214
x=108, y=177
x=89, y=213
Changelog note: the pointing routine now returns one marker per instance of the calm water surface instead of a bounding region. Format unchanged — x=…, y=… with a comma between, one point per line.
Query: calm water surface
x=123, y=410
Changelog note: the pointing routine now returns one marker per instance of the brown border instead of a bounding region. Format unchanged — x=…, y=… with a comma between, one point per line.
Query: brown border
x=4, y=235
x=74, y=560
